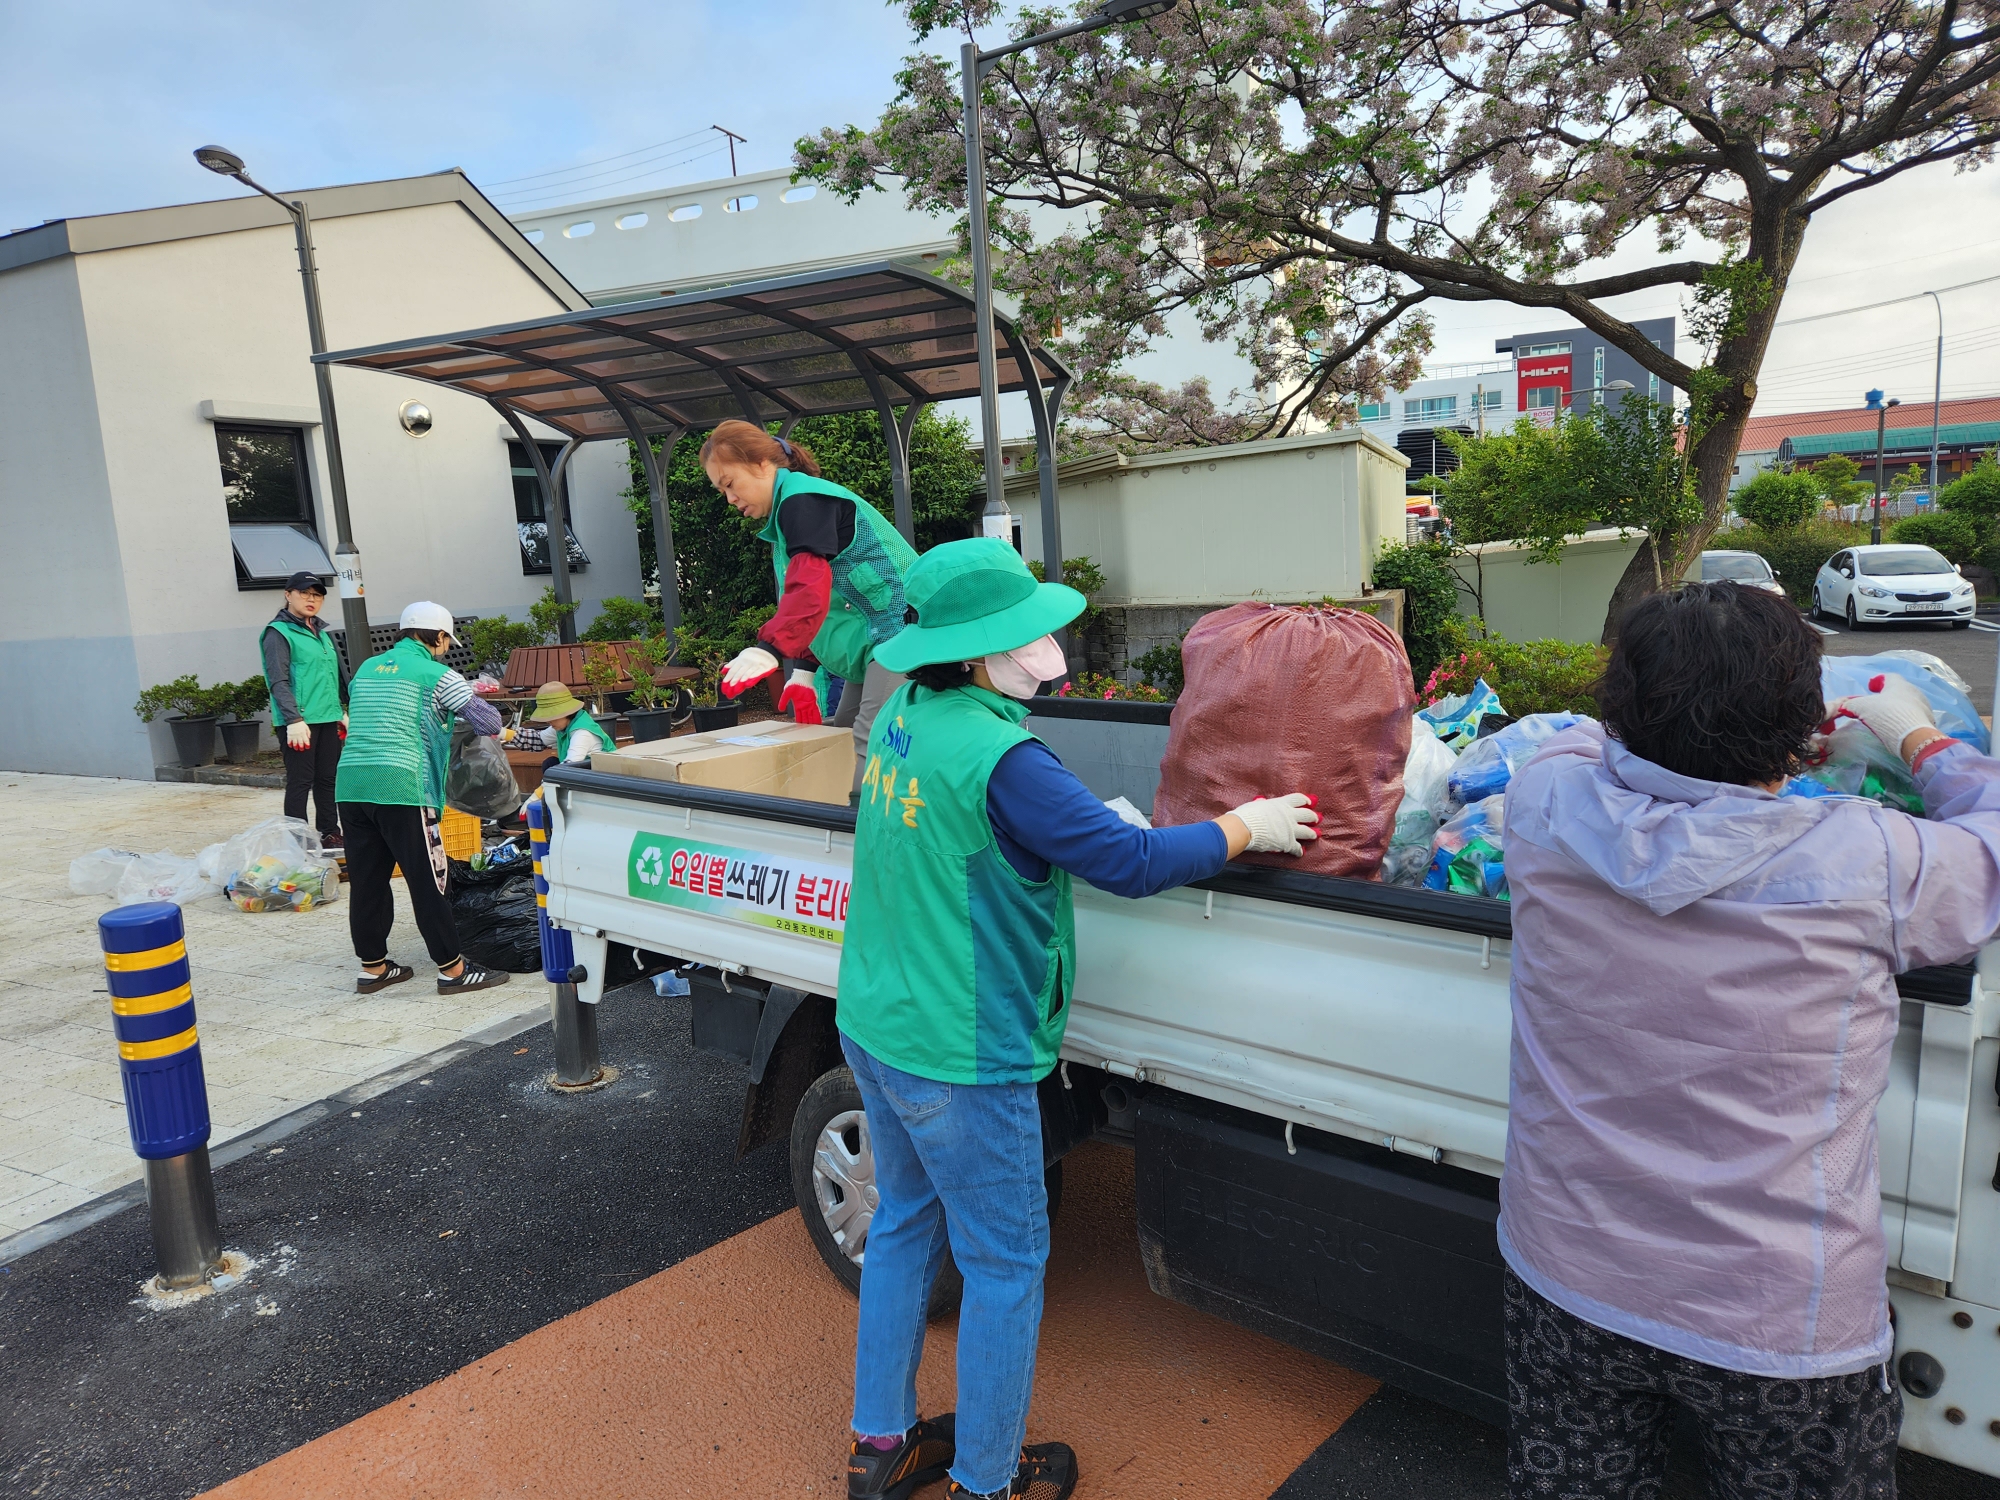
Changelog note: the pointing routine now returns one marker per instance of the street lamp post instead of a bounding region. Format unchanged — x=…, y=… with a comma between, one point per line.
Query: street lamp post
x=346, y=559
x=975, y=65
x=1937, y=392
x=1881, y=425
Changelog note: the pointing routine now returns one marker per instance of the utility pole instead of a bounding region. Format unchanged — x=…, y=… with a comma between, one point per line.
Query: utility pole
x=1937, y=393
x=733, y=139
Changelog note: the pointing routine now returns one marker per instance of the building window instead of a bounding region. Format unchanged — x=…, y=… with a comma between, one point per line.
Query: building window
x=264, y=490
x=1543, y=397
x=1533, y=351
x=531, y=516
x=1430, y=409
x=1597, y=376
x=1486, y=400
x=1374, y=411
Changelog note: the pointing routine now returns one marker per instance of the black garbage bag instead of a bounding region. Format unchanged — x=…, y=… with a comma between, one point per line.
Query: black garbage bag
x=495, y=912
x=479, y=781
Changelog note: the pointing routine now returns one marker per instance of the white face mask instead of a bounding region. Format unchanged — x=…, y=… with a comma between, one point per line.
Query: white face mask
x=1021, y=672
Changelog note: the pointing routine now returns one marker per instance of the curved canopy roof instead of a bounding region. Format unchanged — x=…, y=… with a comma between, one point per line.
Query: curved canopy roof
x=861, y=339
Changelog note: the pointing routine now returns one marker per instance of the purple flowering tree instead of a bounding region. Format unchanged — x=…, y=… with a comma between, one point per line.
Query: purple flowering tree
x=1304, y=176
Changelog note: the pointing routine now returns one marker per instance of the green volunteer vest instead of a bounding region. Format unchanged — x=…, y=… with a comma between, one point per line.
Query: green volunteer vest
x=953, y=966
x=867, y=606
x=396, y=749
x=315, y=671
x=581, y=719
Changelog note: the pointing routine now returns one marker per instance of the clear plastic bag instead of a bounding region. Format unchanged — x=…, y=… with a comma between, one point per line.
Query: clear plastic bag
x=1426, y=795
x=1943, y=689
x=127, y=877
x=1469, y=854
x=272, y=883
x=1455, y=720
x=1487, y=765
x=1853, y=763
x=480, y=782
x=291, y=839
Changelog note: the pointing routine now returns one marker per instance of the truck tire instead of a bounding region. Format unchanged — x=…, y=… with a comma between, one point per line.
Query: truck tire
x=833, y=1174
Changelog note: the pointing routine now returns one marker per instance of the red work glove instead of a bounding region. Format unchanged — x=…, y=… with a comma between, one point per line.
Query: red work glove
x=746, y=669
x=801, y=697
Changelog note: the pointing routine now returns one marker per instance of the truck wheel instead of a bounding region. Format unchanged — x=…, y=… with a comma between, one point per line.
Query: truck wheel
x=833, y=1179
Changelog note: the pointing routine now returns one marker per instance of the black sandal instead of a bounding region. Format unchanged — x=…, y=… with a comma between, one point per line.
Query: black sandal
x=367, y=984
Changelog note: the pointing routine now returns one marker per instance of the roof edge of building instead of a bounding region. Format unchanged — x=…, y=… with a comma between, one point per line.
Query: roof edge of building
x=186, y=221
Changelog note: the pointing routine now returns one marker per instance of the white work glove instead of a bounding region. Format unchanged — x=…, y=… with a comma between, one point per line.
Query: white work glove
x=299, y=735
x=1279, y=825
x=746, y=669
x=1892, y=707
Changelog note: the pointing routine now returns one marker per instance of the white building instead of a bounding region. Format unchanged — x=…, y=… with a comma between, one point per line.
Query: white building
x=150, y=361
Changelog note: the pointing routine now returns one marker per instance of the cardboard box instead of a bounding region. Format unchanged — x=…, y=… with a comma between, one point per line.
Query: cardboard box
x=809, y=762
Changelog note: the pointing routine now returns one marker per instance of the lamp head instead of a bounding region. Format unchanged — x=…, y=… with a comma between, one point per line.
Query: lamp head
x=1114, y=11
x=1620, y=385
x=224, y=162
x=1895, y=401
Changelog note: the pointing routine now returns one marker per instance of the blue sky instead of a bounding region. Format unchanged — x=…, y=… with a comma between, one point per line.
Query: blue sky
x=101, y=102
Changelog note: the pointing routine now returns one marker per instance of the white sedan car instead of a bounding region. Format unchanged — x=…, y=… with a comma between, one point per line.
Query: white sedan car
x=1877, y=584
x=1746, y=568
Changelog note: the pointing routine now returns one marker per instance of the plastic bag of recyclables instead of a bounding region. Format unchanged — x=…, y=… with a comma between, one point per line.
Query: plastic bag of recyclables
x=1848, y=761
x=1947, y=693
x=128, y=877
x=1486, y=765
x=1293, y=698
x=1469, y=857
x=1426, y=804
x=275, y=865
x=1456, y=719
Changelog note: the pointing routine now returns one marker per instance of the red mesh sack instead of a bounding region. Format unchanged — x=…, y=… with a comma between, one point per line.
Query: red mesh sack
x=1282, y=698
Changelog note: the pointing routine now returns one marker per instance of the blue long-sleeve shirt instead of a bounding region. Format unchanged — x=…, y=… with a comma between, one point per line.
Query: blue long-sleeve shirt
x=1042, y=815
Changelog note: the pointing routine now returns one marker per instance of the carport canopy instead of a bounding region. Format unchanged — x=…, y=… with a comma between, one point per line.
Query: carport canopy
x=867, y=338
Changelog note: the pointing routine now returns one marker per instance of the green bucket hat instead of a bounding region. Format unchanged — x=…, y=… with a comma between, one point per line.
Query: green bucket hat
x=970, y=599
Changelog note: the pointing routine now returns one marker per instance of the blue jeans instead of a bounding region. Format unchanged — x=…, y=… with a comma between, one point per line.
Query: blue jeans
x=961, y=1162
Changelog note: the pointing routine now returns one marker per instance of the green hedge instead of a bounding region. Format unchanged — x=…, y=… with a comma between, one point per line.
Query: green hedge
x=1957, y=535
x=1430, y=601
x=1531, y=677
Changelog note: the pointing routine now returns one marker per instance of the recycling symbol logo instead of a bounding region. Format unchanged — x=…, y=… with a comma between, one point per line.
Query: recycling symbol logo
x=652, y=866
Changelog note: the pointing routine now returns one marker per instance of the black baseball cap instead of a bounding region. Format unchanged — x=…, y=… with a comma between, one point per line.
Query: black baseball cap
x=303, y=582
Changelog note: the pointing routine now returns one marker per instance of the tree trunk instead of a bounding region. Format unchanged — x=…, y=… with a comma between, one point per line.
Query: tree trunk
x=1659, y=562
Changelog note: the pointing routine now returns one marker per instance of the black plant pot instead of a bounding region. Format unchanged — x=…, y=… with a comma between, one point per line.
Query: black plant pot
x=722, y=716
x=240, y=738
x=194, y=740
x=650, y=723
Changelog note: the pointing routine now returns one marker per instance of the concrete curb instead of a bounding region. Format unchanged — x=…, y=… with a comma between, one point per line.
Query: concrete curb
x=132, y=1194
x=220, y=776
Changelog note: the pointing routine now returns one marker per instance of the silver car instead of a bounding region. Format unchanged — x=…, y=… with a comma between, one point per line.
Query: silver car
x=1746, y=568
x=1876, y=584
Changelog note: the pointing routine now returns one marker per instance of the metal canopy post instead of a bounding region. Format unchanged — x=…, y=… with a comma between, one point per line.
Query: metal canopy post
x=1043, y=409
x=663, y=523
x=553, y=521
x=896, y=438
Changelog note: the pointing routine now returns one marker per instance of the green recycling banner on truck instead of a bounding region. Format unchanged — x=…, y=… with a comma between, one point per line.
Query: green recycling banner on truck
x=742, y=885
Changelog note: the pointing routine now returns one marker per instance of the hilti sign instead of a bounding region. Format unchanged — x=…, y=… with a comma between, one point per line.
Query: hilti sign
x=1543, y=370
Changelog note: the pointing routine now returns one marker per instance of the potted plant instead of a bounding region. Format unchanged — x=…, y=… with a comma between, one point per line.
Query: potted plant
x=190, y=714
x=602, y=673
x=652, y=713
x=699, y=652
x=242, y=732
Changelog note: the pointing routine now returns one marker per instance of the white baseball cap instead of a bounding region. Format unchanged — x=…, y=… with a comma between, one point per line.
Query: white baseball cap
x=425, y=615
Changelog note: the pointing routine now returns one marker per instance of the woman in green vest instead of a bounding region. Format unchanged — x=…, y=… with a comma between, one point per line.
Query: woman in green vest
x=572, y=733
x=839, y=566
x=956, y=970
x=308, y=702
x=402, y=705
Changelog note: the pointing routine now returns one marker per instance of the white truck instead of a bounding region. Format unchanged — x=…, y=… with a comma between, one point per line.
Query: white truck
x=1312, y=1074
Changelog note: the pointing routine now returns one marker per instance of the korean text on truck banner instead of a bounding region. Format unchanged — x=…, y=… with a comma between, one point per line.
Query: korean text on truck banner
x=740, y=884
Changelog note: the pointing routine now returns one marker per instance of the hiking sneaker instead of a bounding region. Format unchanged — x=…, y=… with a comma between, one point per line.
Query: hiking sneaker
x=924, y=1457
x=471, y=977
x=1047, y=1472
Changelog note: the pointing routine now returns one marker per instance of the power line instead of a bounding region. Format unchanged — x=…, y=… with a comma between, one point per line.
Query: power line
x=598, y=162
x=1841, y=312
x=555, y=197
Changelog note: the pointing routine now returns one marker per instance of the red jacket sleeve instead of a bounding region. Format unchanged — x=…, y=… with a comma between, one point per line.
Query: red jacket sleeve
x=803, y=607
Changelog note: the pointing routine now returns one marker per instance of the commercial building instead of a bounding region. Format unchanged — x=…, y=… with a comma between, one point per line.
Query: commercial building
x=1542, y=373
x=1965, y=429
x=162, y=466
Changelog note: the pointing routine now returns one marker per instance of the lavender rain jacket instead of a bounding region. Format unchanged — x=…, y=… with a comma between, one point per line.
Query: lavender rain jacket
x=1704, y=1004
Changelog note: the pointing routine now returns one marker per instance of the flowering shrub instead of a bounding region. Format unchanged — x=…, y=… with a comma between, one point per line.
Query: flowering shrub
x=1102, y=685
x=1531, y=677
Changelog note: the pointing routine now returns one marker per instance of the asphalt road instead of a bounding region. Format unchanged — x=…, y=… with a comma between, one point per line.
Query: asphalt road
x=1972, y=653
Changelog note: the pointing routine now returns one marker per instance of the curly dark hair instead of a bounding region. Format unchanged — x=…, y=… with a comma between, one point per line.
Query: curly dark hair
x=1714, y=681
x=941, y=676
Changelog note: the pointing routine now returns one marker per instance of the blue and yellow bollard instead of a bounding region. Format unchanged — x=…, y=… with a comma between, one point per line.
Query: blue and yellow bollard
x=574, y=1023
x=166, y=1096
